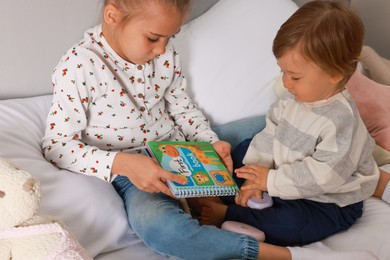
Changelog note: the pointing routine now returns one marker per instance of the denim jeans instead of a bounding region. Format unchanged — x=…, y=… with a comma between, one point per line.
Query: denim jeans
x=160, y=222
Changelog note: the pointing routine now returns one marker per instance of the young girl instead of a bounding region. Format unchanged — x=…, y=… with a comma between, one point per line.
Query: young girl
x=315, y=155
x=118, y=88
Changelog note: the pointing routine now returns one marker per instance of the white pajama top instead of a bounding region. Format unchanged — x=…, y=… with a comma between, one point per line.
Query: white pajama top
x=103, y=104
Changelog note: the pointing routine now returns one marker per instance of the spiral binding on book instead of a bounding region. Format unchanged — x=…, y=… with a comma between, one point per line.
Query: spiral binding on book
x=186, y=192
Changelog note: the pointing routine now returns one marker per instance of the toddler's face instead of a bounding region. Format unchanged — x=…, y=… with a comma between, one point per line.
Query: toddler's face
x=146, y=36
x=304, y=79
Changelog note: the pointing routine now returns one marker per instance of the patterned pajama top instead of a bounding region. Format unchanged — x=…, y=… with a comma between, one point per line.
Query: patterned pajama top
x=103, y=104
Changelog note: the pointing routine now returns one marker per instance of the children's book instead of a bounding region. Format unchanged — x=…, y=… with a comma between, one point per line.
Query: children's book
x=197, y=162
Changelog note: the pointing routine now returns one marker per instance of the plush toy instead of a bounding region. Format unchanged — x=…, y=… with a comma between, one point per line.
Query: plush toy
x=23, y=234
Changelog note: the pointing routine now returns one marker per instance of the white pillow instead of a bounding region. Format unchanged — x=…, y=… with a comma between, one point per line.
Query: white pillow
x=227, y=57
x=91, y=208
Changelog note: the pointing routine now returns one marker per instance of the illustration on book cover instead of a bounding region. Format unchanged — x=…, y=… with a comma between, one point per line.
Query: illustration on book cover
x=201, y=167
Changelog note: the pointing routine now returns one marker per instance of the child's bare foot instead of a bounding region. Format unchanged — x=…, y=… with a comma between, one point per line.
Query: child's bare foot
x=196, y=204
x=213, y=212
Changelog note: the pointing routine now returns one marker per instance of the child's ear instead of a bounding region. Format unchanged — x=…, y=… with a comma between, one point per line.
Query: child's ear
x=335, y=79
x=111, y=14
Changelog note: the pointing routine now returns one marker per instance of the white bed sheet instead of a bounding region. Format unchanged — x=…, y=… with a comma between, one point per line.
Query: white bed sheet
x=91, y=208
x=94, y=212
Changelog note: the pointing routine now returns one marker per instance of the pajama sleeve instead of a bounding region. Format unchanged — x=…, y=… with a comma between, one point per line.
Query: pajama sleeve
x=186, y=115
x=75, y=81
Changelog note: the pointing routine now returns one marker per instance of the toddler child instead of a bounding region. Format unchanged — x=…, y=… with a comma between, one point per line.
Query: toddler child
x=314, y=156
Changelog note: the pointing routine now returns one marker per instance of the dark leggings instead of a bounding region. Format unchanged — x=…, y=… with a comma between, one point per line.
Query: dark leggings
x=292, y=222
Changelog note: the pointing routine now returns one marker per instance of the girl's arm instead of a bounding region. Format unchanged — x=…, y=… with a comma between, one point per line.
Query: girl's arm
x=73, y=80
x=144, y=172
x=186, y=115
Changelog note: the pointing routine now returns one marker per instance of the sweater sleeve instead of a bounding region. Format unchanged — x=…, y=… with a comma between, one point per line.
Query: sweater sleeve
x=260, y=150
x=62, y=144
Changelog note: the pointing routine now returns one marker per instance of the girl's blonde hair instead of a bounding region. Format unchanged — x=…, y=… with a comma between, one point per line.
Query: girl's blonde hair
x=330, y=34
x=131, y=8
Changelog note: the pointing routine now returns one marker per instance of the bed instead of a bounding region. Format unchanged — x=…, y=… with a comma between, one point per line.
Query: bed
x=227, y=58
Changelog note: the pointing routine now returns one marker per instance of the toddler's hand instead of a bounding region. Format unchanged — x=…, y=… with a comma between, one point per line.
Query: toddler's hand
x=145, y=173
x=256, y=177
x=244, y=195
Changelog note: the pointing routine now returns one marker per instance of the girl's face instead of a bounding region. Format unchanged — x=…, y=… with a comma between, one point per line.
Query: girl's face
x=145, y=37
x=305, y=80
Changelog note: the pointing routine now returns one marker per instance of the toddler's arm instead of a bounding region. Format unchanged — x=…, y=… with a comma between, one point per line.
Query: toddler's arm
x=244, y=195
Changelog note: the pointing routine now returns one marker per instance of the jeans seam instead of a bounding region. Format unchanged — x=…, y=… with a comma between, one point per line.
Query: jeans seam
x=250, y=247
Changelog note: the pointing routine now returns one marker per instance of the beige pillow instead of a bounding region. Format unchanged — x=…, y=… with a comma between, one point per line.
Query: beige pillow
x=372, y=101
x=381, y=156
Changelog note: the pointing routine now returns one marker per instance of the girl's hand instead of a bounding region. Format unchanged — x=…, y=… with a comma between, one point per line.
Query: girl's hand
x=144, y=172
x=223, y=150
x=256, y=177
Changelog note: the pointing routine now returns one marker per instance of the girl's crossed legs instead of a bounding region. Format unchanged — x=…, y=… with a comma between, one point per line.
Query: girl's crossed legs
x=161, y=223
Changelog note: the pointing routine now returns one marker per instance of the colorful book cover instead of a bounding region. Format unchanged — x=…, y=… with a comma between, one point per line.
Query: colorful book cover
x=199, y=163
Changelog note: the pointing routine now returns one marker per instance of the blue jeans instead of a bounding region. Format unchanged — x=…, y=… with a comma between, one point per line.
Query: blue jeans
x=160, y=222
